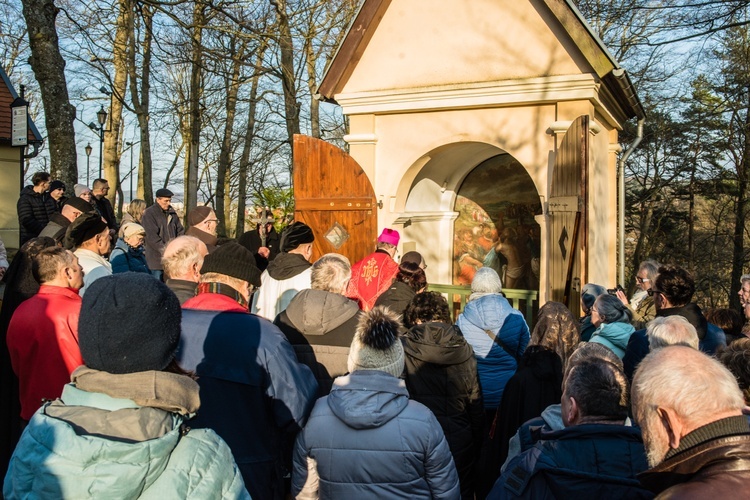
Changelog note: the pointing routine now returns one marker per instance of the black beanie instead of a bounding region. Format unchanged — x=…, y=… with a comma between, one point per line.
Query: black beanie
x=296, y=234
x=85, y=227
x=232, y=259
x=129, y=322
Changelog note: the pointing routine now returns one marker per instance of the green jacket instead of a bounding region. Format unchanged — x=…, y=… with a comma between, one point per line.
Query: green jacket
x=93, y=445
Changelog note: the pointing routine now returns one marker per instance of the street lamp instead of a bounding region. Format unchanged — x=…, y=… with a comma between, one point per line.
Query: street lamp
x=130, y=145
x=88, y=150
x=101, y=117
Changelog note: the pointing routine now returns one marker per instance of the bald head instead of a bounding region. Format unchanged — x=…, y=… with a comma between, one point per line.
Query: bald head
x=669, y=397
x=183, y=258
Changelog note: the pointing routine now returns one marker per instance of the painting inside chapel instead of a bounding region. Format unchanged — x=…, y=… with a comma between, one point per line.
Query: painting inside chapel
x=495, y=227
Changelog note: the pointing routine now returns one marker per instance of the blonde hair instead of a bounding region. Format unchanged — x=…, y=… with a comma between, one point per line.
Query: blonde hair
x=136, y=208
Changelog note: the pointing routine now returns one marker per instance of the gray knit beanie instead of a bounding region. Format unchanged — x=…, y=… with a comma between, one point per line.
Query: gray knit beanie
x=590, y=292
x=376, y=345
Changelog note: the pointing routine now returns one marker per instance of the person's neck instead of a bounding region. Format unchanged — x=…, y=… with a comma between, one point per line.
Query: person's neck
x=90, y=247
x=38, y=189
x=193, y=279
x=59, y=281
x=600, y=420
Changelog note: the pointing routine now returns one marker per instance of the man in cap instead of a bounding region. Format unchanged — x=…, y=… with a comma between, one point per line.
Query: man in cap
x=288, y=274
x=59, y=222
x=263, y=241
x=202, y=223
x=162, y=225
x=99, y=191
x=43, y=332
x=182, y=262
x=373, y=275
x=121, y=426
x=89, y=236
x=254, y=393
x=697, y=440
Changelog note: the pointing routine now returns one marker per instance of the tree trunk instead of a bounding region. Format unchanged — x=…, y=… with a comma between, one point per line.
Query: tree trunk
x=196, y=95
x=49, y=70
x=291, y=109
x=740, y=213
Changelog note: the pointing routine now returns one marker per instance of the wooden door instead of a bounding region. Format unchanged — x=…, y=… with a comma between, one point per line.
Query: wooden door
x=569, y=215
x=333, y=196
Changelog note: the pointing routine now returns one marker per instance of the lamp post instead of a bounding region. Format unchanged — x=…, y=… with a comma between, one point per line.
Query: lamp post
x=101, y=117
x=130, y=145
x=88, y=150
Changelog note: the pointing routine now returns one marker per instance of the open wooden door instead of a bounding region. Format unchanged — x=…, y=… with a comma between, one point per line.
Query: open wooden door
x=568, y=210
x=333, y=196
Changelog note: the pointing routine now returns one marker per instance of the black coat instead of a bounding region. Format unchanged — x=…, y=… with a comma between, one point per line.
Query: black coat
x=161, y=228
x=397, y=297
x=536, y=384
x=104, y=208
x=251, y=241
x=441, y=373
x=34, y=211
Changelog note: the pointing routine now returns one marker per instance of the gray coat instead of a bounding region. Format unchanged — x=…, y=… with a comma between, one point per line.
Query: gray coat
x=368, y=440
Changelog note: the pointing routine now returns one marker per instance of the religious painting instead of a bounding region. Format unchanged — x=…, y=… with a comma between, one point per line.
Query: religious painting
x=495, y=227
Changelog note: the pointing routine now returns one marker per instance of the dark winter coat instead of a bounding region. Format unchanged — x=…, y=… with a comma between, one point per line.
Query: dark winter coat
x=253, y=392
x=161, y=228
x=397, y=297
x=207, y=238
x=711, y=468
x=125, y=258
x=56, y=227
x=320, y=326
x=369, y=440
x=536, y=384
x=710, y=336
x=104, y=208
x=441, y=373
x=587, y=328
x=251, y=241
x=34, y=211
x=184, y=289
x=582, y=461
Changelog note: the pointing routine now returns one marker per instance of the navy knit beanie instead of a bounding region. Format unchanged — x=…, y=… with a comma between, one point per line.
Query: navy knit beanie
x=129, y=322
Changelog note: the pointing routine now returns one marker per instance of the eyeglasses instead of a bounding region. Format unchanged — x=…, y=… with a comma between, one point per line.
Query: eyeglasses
x=212, y=220
x=641, y=280
x=651, y=292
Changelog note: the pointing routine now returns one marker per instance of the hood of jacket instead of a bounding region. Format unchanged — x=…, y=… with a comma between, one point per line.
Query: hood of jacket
x=367, y=399
x=287, y=265
x=317, y=312
x=616, y=333
x=690, y=312
x=437, y=343
x=488, y=312
x=552, y=416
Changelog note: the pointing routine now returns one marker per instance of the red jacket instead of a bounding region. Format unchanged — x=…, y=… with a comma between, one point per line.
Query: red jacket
x=371, y=277
x=43, y=344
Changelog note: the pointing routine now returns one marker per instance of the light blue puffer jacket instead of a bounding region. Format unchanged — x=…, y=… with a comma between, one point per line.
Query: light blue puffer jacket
x=54, y=459
x=494, y=365
x=614, y=335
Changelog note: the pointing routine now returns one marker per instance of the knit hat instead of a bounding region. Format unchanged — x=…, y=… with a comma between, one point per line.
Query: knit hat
x=56, y=184
x=232, y=259
x=376, y=345
x=590, y=293
x=80, y=189
x=198, y=215
x=79, y=204
x=389, y=236
x=129, y=322
x=486, y=280
x=414, y=258
x=85, y=227
x=131, y=229
x=296, y=234
x=164, y=193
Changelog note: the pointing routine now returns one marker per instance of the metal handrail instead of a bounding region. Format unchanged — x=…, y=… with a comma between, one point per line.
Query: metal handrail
x=458, y=295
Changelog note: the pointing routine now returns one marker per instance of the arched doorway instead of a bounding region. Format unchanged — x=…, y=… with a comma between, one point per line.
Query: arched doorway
x=496, y=206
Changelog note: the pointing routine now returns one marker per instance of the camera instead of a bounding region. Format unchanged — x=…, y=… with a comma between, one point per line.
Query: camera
x=613, y=291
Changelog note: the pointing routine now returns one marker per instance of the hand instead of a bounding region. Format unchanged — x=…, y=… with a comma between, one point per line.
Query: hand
x=2, y=272
x=623, y=298
x=264, y=252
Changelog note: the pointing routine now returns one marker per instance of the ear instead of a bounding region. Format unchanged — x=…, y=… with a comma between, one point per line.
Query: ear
x=673, y=425
x=574, y=413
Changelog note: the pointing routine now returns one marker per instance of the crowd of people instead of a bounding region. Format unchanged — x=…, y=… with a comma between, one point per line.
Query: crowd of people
x=144, y=359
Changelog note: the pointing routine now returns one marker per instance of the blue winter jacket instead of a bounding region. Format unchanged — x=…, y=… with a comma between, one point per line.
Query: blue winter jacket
x=366, y=439
x=125, y=258
x=147, y=456
x=494, y=365
x=254, y=393
x=582, y=461
x=614, y=335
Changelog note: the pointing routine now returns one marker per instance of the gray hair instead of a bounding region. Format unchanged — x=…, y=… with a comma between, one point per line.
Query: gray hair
x=680, y=378
x=612, y=310
x=180, y=254
x=671, y=330
x=590, y=350
x=331, y=273
x=651, y=267
x=744, y=278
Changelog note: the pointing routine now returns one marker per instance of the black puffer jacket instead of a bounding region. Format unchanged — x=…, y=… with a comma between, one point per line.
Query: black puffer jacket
x=397, y=297
x=34, y=211
x=441, y=373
